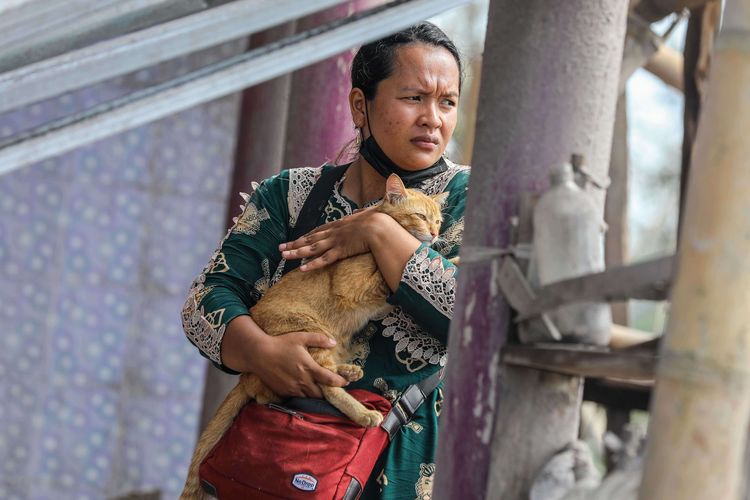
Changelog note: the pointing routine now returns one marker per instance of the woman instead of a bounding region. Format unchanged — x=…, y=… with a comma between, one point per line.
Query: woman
x=404, y=97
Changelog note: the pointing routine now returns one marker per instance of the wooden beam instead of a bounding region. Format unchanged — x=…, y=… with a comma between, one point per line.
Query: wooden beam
x=648, y=280
x=624, y=337
x=583, y=361
x=654, y=10
x=616, y=204
x=521, y=297
x=668, y=65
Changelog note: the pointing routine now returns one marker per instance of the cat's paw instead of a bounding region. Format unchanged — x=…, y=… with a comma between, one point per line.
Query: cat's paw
x=352, y=373
x=370, y=418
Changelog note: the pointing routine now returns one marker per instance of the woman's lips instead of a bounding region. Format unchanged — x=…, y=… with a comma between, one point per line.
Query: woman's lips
x=425, y=143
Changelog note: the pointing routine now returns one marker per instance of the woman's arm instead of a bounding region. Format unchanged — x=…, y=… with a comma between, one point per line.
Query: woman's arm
x=392, y=246
x=364, y=231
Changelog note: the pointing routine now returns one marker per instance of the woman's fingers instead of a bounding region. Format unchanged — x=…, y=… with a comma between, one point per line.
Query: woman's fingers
x=310, y=239
x=316, y=339
x=308, y=373
x=322, y=261
x=314, y=249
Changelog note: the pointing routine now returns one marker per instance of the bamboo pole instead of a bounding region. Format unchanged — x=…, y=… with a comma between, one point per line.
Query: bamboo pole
x=702, y=399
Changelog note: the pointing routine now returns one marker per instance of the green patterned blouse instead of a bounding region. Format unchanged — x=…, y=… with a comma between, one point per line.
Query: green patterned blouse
x=401, y=348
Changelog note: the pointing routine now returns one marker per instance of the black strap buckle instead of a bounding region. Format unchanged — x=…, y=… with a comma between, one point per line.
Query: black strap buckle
x=403, y=410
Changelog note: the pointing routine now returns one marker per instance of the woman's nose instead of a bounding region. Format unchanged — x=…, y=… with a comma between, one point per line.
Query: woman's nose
x=431, y=116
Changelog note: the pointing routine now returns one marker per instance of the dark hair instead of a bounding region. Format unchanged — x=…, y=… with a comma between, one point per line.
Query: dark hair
x=374, y=61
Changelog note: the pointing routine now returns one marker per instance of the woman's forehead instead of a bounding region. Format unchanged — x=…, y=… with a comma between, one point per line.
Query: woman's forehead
x=425, y=66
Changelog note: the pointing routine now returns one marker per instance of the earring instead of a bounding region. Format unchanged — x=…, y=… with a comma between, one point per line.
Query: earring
x=358, y=138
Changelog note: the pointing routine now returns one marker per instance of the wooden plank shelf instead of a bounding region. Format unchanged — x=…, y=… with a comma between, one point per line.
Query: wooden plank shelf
x=637, y=363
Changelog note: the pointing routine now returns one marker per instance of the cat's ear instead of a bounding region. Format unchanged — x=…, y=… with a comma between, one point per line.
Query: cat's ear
x=394, y=189
x=441, y=198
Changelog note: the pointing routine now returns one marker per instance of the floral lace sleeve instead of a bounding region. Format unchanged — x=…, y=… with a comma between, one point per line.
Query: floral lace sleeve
x=428, y=284
x=239, y=272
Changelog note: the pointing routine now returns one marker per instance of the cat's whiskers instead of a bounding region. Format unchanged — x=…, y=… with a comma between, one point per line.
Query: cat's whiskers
x=439, y=242
x=424, y=238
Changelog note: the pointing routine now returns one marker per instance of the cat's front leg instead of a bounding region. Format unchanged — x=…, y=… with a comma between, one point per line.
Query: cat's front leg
x=352, y=408
x=350, y=372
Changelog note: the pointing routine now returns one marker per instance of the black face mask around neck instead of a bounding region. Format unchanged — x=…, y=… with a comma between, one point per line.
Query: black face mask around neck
x=375, y=156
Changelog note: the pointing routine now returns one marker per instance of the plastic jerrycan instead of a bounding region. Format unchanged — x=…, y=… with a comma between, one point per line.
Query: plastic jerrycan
x=568, y=242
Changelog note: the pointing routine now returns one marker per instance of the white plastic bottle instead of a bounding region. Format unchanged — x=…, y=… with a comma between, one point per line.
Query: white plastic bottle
x=568, y=243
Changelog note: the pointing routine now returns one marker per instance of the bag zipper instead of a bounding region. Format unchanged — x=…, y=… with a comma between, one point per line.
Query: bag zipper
x=283, y=409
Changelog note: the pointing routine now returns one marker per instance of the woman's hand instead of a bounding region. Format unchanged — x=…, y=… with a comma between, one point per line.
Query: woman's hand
x=336, y=240
x=284, y=364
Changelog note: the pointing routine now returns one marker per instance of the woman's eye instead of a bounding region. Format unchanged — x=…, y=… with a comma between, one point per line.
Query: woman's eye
x=415, y=98
x=449, y=102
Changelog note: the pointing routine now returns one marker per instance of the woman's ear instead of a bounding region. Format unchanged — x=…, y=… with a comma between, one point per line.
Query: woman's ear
x=357, y=107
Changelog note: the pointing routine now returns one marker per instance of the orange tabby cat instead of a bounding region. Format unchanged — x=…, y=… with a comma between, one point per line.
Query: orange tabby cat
x=337, y=300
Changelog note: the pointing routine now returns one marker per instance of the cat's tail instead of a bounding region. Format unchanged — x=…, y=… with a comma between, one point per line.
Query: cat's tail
x=235, y=400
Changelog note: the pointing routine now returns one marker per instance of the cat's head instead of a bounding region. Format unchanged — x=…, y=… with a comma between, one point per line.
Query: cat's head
x=417, y=212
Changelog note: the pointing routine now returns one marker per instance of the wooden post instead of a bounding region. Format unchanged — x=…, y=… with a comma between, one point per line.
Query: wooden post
x=701, y=405
x=616, y=206
x=699, y=41
x=549, y=89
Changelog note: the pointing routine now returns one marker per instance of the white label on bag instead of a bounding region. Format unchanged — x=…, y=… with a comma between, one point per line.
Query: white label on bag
x=304, y=482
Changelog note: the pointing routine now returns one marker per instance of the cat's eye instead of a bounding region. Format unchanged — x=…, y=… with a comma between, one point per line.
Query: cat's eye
x=422, y=216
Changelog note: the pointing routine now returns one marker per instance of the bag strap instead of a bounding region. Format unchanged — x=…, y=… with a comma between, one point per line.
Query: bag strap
x=401, y=412
x=313, y=207
x=408, y=403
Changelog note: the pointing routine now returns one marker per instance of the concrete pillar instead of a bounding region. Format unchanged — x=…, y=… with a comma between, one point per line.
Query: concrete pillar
x=319, y=122
x=261, y=133
x=549, y=88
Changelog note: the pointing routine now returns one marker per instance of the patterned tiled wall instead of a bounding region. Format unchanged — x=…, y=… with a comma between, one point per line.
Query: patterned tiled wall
x=100, y=390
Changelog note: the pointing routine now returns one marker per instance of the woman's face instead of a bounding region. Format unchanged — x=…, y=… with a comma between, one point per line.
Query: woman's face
x=414, y=111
